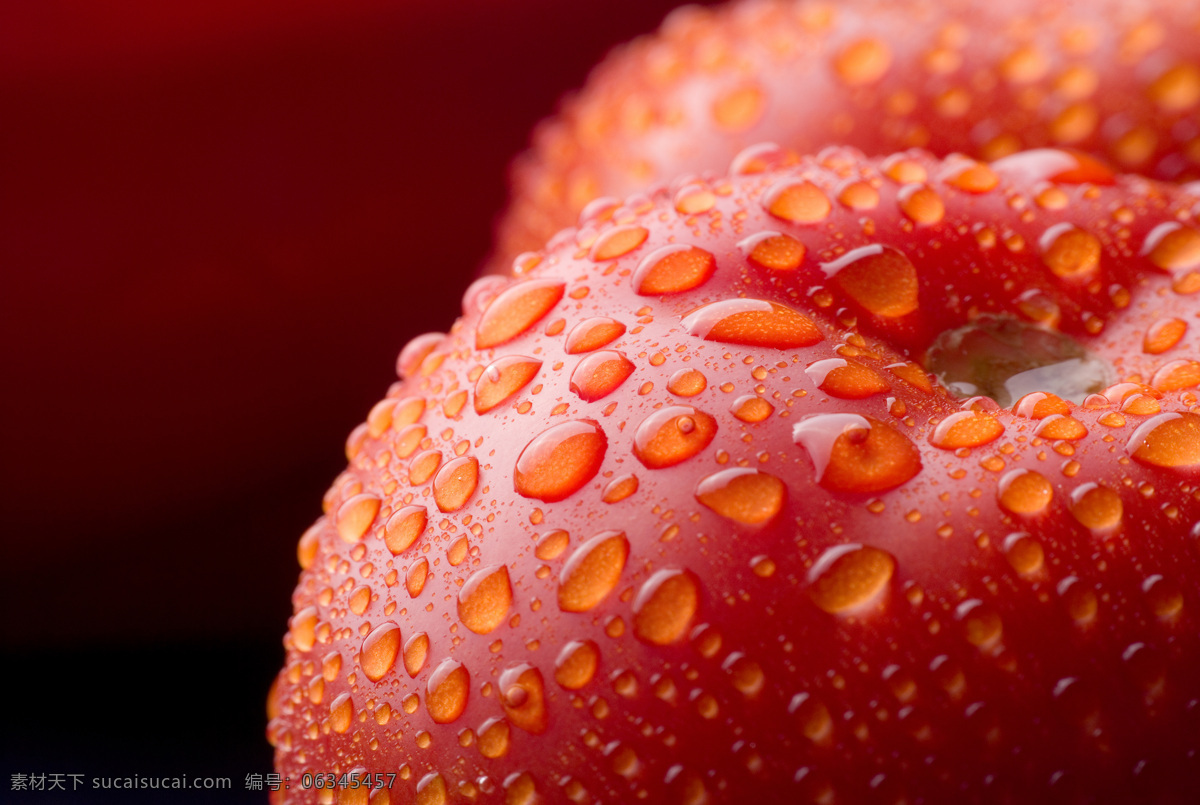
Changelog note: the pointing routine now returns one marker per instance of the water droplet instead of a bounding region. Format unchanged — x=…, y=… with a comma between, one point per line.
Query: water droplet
x=379, y=650
x=862, y=62
x=739, y=108
x=1024, y=553
x=303, y=628
x=560, y=460
x=416, y=652
x=494, y=737
x=672, y=435
x=1164, y=597
x=341, y=711
x=1162, y=335
x=415, y=351
x=415, y=578
x=455, y=483
x=600, y=374
x=502, y=379
x=745, y=674
x=592, y=571
x=880, y=278
x=431, y=790
x=523, y=697
x=750, y=408
x=1070, y=253
x=515, y=310
x=742, y=494
x=673, y=269
x=971, y=177
x=403, y=528
x=618, y=242
x=576, y=664
x=1025, y=492
x=981, y=624
x=1177, y=88
x=446, y=691
x=665, y=605
x=849, y=577
x=408, y=439
x=1097, y=507
x=484, y=601
x=694, y=198
x=846, y=379
x=966, y=429
x=360, y=599
x=1167, y=440
x=812, y=716
x=858, y=454
x=752, y=323
x=1081, y=601
x=519, y=789
x=1173, y=247
x=309, y=544
x=797, y=201
x=921, y=204
x=687, y=383
x=592, y=334
x=424, y=466
x=356, y=515
x=1058, y=165
x=773, y=250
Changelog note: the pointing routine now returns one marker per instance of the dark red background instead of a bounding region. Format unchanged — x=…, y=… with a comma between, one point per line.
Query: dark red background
x=219, y=223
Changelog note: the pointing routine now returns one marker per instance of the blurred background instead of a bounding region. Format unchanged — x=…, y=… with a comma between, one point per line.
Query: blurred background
x=219, y=223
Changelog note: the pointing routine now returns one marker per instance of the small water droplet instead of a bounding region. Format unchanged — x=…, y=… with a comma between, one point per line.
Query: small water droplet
x=665, y=605
x=981, y=624
x=592, y=334
x=921, y=204
x=1070, y=253
x=341, y=711
x=1024, y=553
x=303, y=628
x=673, y=269
x=754, y=323
x=812, y=716
x=415, y=578
x=1163, y=335
x=431, y=790
x=1058, y=165
x=379, y=650
x=618, y=242
x=742, y=494
x=600, y=374
x=687, y=383
x=797, y=201
x=576, y=664
x=858, y=454
x=746, y=675
x=672, y=435
x=751, y=409
x=592, y=571
x=484, y=601
x=423, y=466
x=1164, y=596
x=849, y=577
x=415, y=351
x=880, y=278
x=773, y=250
x=560, y=460
x=516, y=309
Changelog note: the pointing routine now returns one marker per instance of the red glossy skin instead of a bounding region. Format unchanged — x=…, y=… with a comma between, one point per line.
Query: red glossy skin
x=1118, y=79
x=970, y=666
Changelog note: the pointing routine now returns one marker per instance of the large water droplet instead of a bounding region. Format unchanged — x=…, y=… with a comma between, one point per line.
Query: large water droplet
x=797, y=201
x=1070, y=253
x=494, y=735
x=303, y=628
x=846, y=379
x=966, y=429
x=1025, y=492
x=672, y=435
x=431, y=790
x=447, y=690
x=665, y=605
x=576, y=664
x=523, y=697
x=880, y=278
x=618, y=242
x=858, y=454
x=356, y=515
x=455, y=483
x=341, y=711
x=502, y=379
x=592, y=334
x=415, y=351
x=742, y=494
x=484, y=601
x=416, y=651
x=592, y=571
x=752, y=323
x=673, y=269
x=517, y=309
x=863, y=61
x=1167, y=440
x=600, y=374
x=773, y=250
x=379, y=650
x=1097, y=507
x=403, y=528
x=1173, y=247
x=848, y=577
x=560, y=460
x=687, y=383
